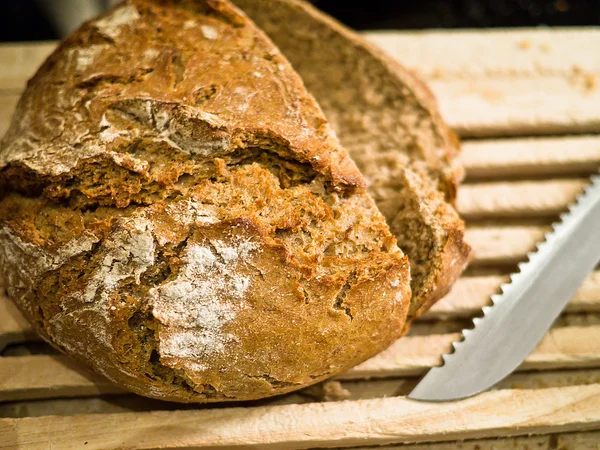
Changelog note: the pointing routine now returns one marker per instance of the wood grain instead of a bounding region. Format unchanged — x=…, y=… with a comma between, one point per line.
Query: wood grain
x=532, y=157
x=372, y=422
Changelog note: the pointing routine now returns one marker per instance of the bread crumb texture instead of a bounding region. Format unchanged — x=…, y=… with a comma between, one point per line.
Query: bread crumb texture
x=176, y=212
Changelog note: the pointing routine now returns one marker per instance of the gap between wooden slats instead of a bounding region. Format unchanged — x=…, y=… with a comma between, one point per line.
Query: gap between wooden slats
x=46, y=376
x=372, y=422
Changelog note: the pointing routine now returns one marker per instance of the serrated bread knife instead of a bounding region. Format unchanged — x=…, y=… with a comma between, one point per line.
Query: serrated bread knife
x=519, y=317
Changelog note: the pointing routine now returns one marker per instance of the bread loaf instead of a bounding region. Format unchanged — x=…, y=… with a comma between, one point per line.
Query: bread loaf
x=176, y=212
x=390, y=124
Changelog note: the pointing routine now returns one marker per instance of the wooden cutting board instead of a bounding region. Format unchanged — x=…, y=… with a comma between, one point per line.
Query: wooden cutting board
x=527, y=104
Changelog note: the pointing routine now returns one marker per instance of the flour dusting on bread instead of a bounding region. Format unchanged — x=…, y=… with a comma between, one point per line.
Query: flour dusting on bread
x=33, y=261
x=194, y=307
x=128, y=253
x=111, y=25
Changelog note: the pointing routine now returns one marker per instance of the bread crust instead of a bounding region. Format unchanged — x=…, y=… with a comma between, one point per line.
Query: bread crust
x=176, y=213
x=388, y=120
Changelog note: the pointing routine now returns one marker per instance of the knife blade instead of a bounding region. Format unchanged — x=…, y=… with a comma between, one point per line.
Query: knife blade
x=520, y=316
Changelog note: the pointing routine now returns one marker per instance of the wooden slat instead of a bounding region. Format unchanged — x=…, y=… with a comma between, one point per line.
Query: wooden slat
x=334, y=424
x=14, y=328
x=470, y=294
x=518, y=107
x=566, y=441
x=510, y=158
x=518, y=198
x=455, y=54
x=41, y=376
x=452, y=54
x=494, y=52
x=503, y=244
x=7, y=106
x=19, y=63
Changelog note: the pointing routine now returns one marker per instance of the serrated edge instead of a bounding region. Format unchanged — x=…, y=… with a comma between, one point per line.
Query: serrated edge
x=523, y=267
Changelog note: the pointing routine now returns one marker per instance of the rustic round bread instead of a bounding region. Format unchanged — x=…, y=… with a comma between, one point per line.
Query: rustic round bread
x=389, y=122
x=176, y=213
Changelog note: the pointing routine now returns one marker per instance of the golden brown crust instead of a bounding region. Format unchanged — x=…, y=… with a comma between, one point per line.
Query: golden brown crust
x=389, y=121
x=87, y=65
x=176, y=213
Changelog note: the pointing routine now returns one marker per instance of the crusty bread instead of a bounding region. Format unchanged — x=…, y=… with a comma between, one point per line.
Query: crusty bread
x=176, y=212
x=390, y=124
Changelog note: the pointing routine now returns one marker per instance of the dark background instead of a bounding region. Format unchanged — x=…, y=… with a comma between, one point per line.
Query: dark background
x=22, y=20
